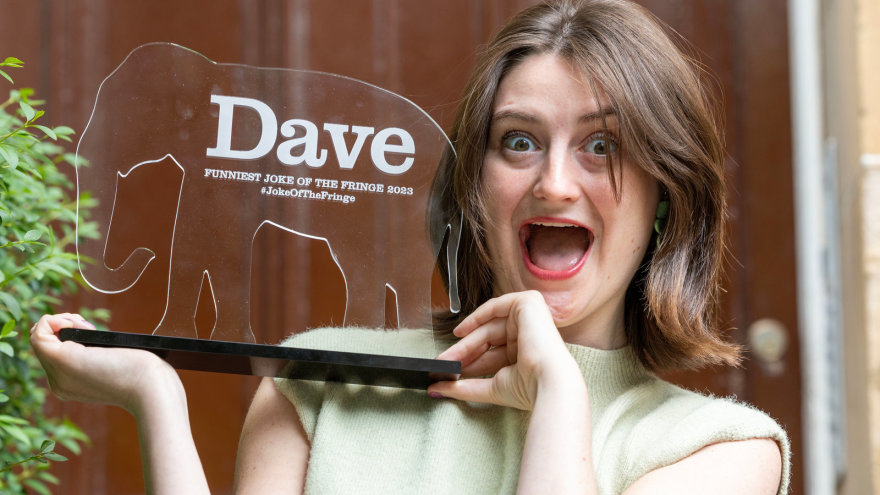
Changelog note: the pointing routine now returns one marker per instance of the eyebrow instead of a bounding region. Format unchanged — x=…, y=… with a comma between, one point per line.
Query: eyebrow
x=598, y=115
x=527, y=117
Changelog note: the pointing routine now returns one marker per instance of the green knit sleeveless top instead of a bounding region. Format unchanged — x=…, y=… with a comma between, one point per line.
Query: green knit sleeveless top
x=394, y=441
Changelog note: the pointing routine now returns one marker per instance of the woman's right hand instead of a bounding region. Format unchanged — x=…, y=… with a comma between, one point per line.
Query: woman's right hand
x=136, y=380
x=115, y=376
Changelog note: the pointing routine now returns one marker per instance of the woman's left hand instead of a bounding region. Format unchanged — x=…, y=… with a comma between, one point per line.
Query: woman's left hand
x=514, y=344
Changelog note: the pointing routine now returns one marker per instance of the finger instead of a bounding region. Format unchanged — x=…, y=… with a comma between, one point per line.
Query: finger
x=471, y=389
x=46, y=346
x=498, y=307
x=471, y=346
x=44, y=334
x=488, y=363
x=48, y=325
x=77, y=321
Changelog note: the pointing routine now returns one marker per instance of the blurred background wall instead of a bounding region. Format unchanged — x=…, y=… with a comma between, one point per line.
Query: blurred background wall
x=424, y=50
x=866, y=21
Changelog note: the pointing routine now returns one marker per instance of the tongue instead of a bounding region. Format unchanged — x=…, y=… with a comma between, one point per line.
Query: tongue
x=557, y=248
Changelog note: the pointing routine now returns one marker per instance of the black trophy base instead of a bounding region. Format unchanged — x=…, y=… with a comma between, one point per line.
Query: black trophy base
x=269, y=360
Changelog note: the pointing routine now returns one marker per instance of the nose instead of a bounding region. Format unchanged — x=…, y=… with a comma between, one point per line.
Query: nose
x=557, y=179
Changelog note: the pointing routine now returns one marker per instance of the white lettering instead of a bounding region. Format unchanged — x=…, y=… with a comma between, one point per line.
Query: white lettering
x=345, y=157
x=224, y=128
x=309, y=142
x=381, y=146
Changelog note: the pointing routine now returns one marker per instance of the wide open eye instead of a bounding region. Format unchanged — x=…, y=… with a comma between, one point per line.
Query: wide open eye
x=518, y=142
x=601, y=145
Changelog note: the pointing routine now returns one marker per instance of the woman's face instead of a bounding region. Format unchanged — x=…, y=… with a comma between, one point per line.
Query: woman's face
x=554, y=224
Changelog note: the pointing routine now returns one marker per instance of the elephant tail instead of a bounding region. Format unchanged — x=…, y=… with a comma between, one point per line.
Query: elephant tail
x=453, y=240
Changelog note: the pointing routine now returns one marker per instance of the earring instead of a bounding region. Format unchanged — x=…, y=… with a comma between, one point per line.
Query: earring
x=660, y=219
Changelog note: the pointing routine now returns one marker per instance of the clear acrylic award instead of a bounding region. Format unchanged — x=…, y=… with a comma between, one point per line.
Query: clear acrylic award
x=237, y=152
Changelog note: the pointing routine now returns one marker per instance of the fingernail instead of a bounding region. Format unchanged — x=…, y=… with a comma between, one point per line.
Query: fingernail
x=85, y=322
x=435, y=395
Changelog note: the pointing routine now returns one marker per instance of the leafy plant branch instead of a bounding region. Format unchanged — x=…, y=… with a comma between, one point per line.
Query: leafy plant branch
x=38, y=230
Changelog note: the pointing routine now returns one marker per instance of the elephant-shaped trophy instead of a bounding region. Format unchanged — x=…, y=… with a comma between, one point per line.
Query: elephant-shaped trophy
x=319, y=155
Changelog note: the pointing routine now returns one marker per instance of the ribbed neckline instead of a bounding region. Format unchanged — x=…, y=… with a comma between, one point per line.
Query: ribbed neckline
x=608, y=372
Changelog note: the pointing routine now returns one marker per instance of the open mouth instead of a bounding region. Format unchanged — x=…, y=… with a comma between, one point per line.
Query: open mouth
x=554, y=249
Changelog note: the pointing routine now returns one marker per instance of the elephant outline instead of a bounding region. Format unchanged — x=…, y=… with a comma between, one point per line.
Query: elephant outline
x=179, y=309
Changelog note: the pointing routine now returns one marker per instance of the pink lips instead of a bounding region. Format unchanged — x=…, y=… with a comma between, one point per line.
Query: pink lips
x=544, y=274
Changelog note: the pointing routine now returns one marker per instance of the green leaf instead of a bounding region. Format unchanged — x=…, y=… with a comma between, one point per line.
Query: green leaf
x=70, y=444
x=55, y=267
x=32, y=235
x=11, y=304
x=37, y=485
x=7, y=349
x=12, y=62
x=3, y=398
x=54, y=456
x=47, y=446
x=48, y=477
x=7, y=329
x=63, y=130
x=49, y=132
x=10, y=157
x=17, y=433
x=27, y=110
x=12, y=420
x=6, y=76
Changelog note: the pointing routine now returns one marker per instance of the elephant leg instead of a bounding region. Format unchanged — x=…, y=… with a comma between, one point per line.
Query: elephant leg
x=231, y=285
x=180, y=306
x=365, y=303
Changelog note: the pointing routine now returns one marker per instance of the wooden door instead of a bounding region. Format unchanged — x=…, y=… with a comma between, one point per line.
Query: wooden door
x=424, y=51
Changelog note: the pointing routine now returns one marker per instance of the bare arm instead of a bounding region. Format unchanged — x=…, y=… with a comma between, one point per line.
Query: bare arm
x=138, y=381
x=171, y=462
x=557, y=455
x=749, y=466
x=273, y=452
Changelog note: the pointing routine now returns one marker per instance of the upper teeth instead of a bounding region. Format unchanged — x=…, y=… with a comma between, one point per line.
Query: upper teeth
x=554, y=224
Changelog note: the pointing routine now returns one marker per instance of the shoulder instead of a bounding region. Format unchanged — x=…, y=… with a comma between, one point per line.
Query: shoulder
x=658, y=424
x=686, y=415
x=657, y=410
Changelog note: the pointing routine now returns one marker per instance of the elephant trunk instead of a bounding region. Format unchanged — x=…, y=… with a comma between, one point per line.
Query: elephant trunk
x=92, y=250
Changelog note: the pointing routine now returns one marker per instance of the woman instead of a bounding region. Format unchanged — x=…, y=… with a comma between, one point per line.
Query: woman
x=589, y=173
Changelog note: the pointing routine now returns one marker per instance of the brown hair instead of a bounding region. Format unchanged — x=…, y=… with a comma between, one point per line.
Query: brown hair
x=667, y=127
